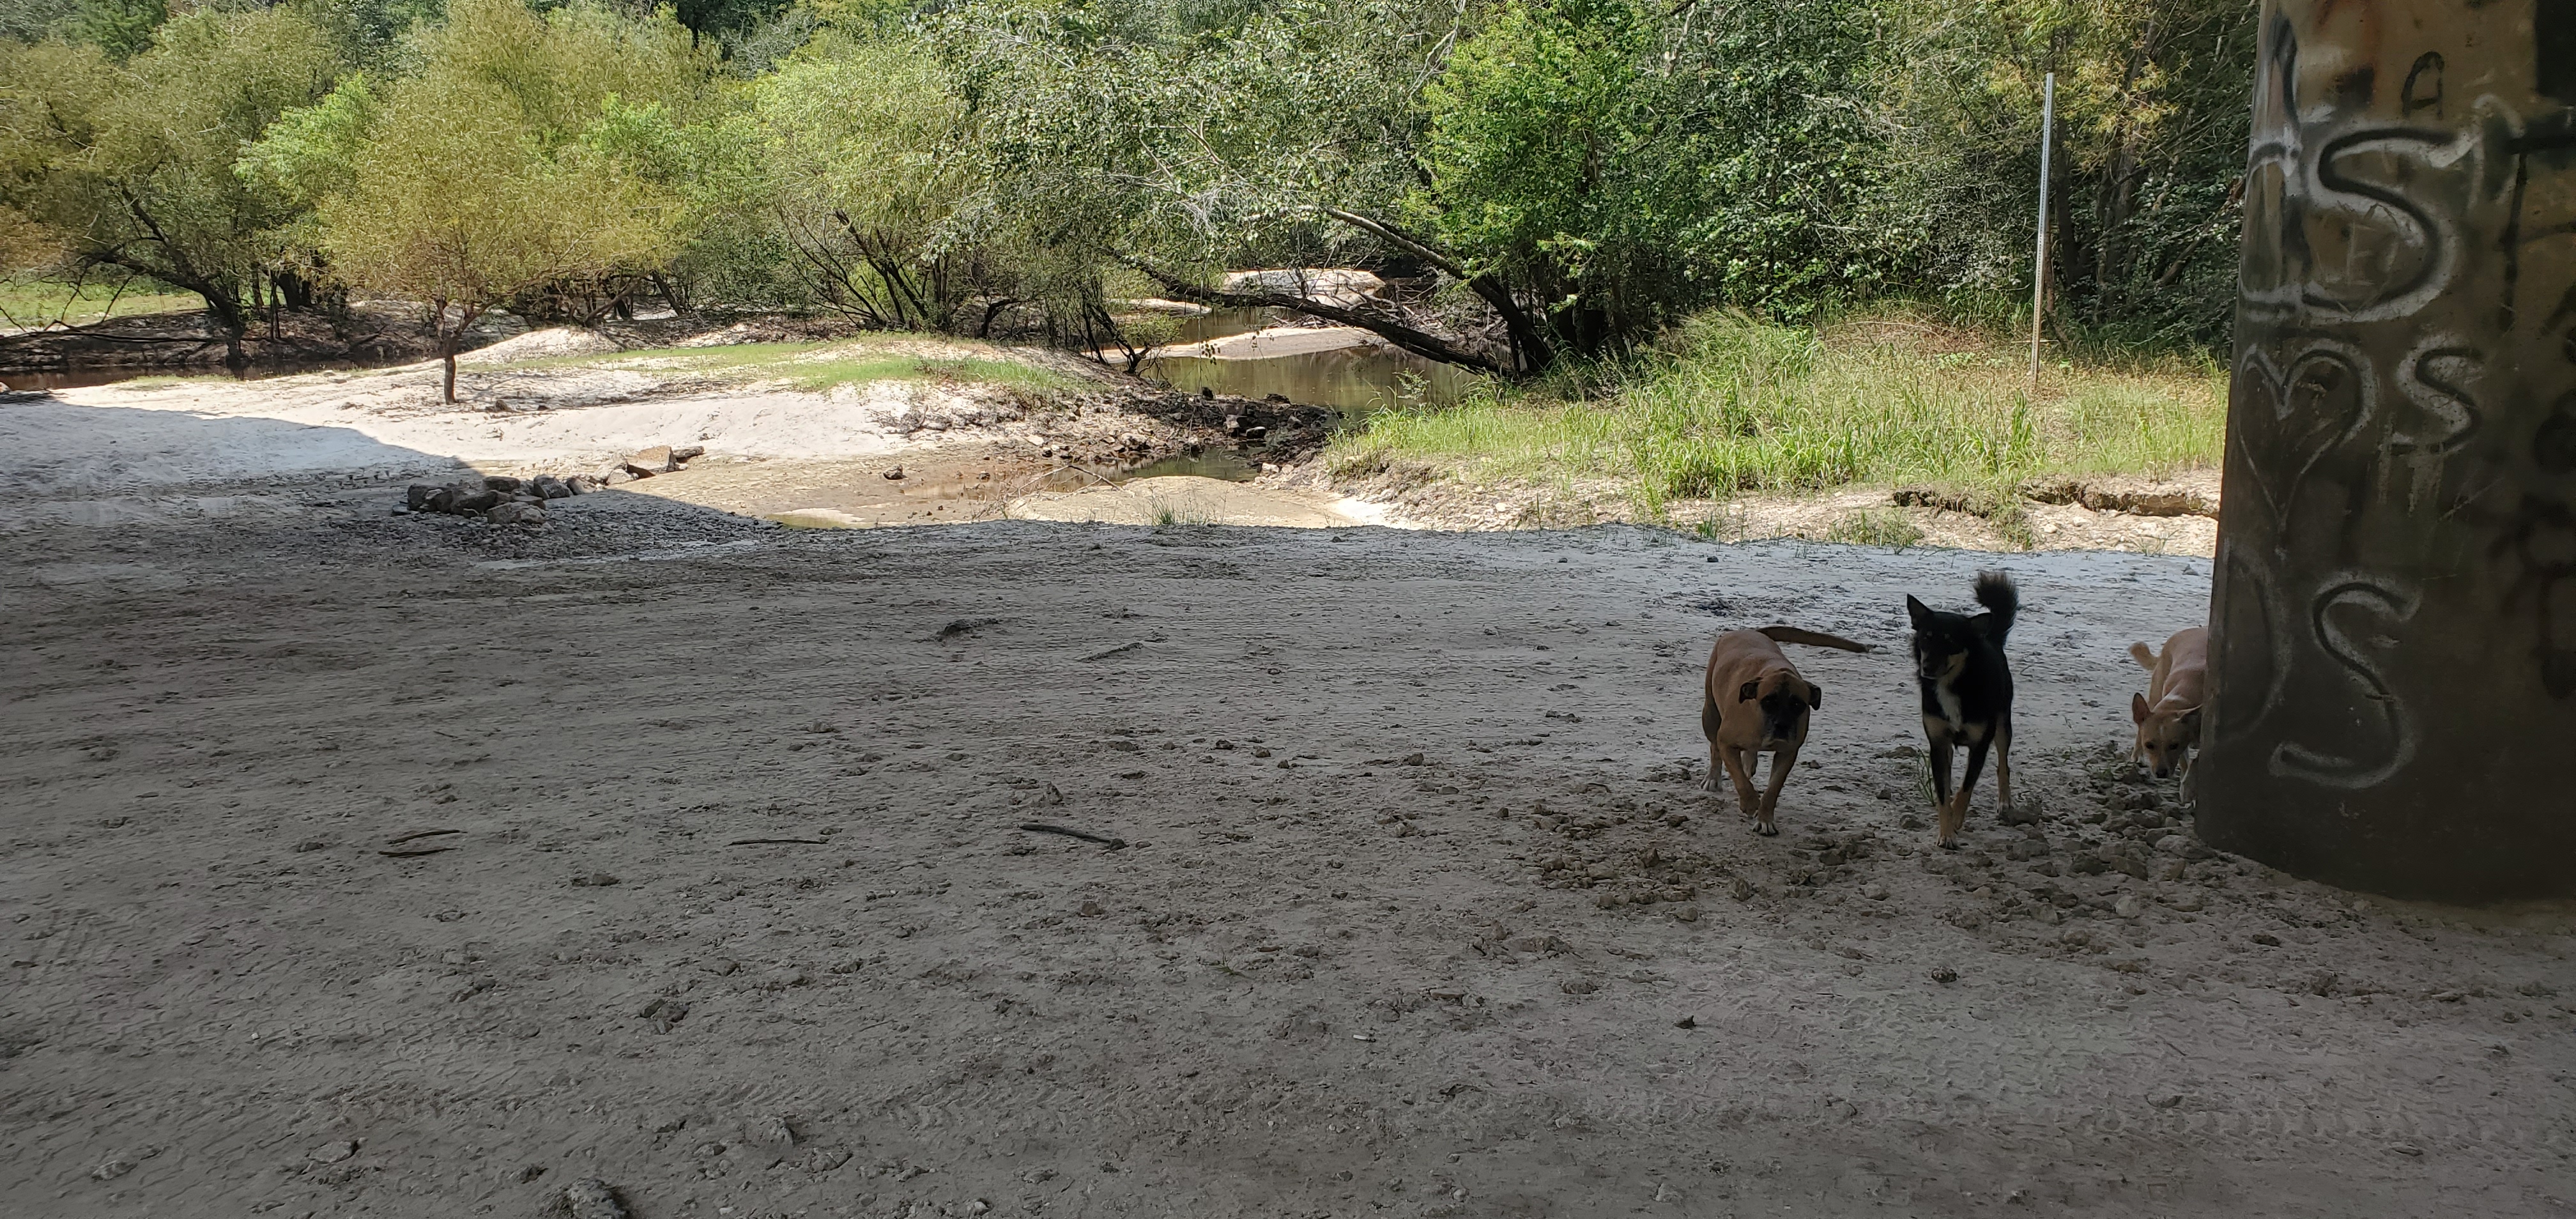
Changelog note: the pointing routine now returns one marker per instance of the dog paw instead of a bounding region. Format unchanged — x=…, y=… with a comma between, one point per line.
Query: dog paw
x=1766, y=829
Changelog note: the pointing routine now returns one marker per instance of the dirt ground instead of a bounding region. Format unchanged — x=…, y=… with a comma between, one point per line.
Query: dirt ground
x=363, y=865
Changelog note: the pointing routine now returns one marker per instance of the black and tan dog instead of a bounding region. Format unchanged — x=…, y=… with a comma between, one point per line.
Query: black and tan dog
x=1967, y=693
x=1755, y=702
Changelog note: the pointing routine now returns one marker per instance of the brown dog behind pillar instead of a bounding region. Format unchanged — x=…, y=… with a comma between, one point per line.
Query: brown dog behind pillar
x=1755, y=702
x=2168, y=714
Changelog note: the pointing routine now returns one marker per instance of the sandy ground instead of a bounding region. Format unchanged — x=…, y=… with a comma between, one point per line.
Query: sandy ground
x=371, y=866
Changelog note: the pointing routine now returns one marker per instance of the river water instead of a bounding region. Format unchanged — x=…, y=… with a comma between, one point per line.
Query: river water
x=1352, y=381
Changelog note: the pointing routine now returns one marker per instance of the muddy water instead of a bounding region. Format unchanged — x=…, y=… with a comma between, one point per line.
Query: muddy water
x=1352, y=381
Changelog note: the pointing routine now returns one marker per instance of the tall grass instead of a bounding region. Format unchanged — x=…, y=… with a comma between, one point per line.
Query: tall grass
x=33, y=303
x=1726, y=404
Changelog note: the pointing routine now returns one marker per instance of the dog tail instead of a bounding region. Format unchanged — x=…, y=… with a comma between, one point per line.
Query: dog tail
x=1791, y=634
x=2144, y=655
x=1995, y=591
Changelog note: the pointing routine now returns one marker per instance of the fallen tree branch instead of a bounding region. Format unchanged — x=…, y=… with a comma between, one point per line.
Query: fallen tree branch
x=1421, y=343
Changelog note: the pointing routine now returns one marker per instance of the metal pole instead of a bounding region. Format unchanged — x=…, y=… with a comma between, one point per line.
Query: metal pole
x=2039, y=259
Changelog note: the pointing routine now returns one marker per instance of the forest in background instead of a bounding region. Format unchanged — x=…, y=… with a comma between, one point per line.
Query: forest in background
x=1539, y=179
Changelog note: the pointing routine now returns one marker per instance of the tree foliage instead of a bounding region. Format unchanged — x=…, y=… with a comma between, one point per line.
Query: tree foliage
x=492, y=175
x=130, y=164
x=1535, y=177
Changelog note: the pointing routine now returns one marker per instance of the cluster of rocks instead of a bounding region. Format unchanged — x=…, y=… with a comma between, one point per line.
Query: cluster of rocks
x=500, y=501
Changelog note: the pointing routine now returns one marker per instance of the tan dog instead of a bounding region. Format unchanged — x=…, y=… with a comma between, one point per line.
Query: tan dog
x=2168, y=714
x=1755, y=702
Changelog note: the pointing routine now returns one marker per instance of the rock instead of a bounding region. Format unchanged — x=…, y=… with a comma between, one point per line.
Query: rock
x=720, y=967
x=1686, y=914
x=591, y=1198
x=783, y=978
x=2022, y=812
x=416, y=496
x=114, y=1167
x=1686, y=1022
x=2173, y=844
x=1874, y=892
x=1413, y=759
x=689, y=453
x=515, y=513
x=1945, y=975
x=1741, y=889
x=2128, y=906
x=506, y=486
x=1091, y=910
x=648, y=462
x=2188, y=903
x=547, y=486
x=332, y=1153
x=895, y=474
x=599, y=880
x=2025, y=849
x=2265, y=938
x=580, y=484
x=1579, y=986
x=529, y=1172
x=464, y=503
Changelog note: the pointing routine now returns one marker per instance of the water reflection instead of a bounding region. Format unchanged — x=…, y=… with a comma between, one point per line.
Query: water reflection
x=1351, y=380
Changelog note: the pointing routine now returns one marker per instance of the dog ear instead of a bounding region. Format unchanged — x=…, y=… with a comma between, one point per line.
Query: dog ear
x=1916, y=611
x=1815, y=697
x=1749, y=692
x=2138, y=707
x=2191, y=725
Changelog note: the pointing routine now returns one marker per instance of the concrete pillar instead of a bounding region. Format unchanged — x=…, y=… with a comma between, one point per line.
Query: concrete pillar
x=2394, y=620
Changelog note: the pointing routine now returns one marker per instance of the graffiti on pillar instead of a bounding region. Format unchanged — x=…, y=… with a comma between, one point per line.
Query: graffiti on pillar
x=2402, y=238
x=2357, y=595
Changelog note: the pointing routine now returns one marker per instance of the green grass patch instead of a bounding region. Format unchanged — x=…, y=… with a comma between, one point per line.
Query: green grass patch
x=819, y=367
x=1727, y=405
x=29, y=304
x=1875, y=528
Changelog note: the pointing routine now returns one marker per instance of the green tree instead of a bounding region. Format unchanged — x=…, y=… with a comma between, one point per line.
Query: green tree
x=869, y=157
x=492, y=173
x=2152, y=124
x=130, y=165
x=1623, y=162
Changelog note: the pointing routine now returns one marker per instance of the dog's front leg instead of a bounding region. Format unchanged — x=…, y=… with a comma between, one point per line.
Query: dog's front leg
x=1937, y=735
x=1739, y=767
x=1954, y=814
x=1782, y=761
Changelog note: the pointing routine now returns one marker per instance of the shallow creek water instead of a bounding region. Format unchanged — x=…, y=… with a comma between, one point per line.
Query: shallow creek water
x=1353, y=381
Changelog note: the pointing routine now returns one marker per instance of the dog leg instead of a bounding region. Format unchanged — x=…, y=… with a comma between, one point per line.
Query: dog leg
x=1939, y=755
x=1739, y=767
x=1708, y=726
x=1782, y=762
x=1954, y=814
